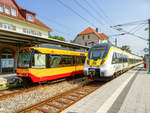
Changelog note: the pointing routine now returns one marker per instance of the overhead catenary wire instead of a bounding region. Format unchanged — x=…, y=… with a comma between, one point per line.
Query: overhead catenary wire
x=117, y=27
x=99, y=15
x=133, y=30
x=127, y=32
x=137, y=28
x=132, y=23
x=87, y=11
x=71, y=9
x=107, y=18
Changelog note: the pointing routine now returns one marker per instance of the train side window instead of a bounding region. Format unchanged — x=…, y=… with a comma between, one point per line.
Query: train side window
x=120, y=58
x=114, y=58
x=78, y=60
x=83, y=59
x=126, y=58
x=61, y=61
x=130, y=61
x=66, y=61
x=55, y=61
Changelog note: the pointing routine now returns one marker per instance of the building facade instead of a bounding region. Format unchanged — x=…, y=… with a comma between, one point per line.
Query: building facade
x=16, y=19
x=89, y=37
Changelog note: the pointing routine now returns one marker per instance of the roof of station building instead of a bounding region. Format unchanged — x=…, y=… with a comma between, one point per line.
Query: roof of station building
x=89, y=30
x=21, y=13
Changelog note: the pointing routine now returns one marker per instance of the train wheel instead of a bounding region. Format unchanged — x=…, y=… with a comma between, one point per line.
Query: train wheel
x=114, y=75
x=26, y=82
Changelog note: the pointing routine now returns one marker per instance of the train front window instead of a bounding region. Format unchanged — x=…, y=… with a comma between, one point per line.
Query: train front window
x=97, y=53
x=39, y=60
x=24, y=60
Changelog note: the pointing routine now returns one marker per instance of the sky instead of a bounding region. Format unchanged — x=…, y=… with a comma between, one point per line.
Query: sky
x=101, y=14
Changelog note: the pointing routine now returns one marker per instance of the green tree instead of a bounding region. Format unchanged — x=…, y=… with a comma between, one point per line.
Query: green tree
x=71, y=41
x=58, y=38
x=126, y=48
x=108, y=39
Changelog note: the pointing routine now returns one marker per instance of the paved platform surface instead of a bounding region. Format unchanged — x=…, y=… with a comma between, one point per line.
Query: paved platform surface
x=5, y=79
x=7, y=75
x=128, y=93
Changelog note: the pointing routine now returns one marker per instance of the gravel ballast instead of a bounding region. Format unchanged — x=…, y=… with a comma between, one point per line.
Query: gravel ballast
x=24, y=100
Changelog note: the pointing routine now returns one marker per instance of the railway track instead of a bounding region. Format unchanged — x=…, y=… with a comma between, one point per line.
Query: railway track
x=4, y=94
x=53, y=99
x=13, y=92
x=62, y=101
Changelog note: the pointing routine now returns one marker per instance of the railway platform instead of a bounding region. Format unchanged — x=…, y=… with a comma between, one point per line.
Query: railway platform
x=128, y=93
x=5, y=79
x=7, y=75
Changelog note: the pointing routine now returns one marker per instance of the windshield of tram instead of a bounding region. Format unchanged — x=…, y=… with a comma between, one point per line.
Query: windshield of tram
x=97, y=53
x=39, y=60
x=24, y=59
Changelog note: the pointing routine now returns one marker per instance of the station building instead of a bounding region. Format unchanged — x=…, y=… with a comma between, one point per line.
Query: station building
x=90, y=36
x=15, y=19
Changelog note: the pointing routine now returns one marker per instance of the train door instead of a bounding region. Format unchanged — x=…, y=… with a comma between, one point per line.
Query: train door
x=79, y=65
x=123, y=62
x=128, y=62
x=114, y=62
x=74, y=65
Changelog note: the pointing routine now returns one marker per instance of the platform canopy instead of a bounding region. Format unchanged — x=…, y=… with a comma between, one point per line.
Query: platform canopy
x=13, y=38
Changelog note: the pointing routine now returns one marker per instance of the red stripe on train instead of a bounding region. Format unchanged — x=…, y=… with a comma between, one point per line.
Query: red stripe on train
x=52, y=77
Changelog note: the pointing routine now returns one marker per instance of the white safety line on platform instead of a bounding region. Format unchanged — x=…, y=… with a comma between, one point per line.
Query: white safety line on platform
x=109, y=102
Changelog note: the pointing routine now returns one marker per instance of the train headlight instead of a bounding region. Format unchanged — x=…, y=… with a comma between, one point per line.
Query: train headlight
x=26, y=74
x=88, y=62
x=102, y=61
x=102, y=74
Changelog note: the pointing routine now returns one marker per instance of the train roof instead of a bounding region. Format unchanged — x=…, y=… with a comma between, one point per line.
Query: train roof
x=47, y=49
x=56, y=47
x=109, y=45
